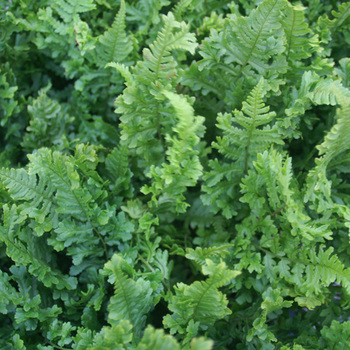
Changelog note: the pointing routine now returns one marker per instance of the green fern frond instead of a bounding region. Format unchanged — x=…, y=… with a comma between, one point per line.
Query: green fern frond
x=7, y=93
x=114, y=45
x=144, y=117
x=37, y=196
x=215, y=253
x=245, y=50
x=183, y=167
x=68, y=10
x=180, y=7
x=48, y=124
x=244, y=135
x=344, y=71
x=336, y=142
x=282, y=197
x=200, y=302
x=299, y=46
x=118, y=172
x=27, y=256
x=132, y=300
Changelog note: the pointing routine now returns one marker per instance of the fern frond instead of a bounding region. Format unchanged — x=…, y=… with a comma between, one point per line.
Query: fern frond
x=180, y=7
x=215, y=253
x=245, y=50
x=48, y=124
x=7, y=93
x=239, y=145
x=118, y=172
x=336, y=142
x=299, y=46
x=114, y=45
x=183, y=166
x=117, y=337
x=37, y=196
x=344, y=71
x=132, y=300
x=145, y=13
x=144, y=117
x=200, y=302
x=26, y=255
x=68, y=10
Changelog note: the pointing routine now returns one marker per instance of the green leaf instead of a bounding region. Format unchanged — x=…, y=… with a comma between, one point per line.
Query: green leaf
x=132, y=300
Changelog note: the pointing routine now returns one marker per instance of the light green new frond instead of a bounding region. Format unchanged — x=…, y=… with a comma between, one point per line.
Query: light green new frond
x=144, y=116
x=37, y=196
x=200, y=303
x=159, y=64
x=326, y=269
x=183, y=167
x=132, y=300
x=313, y=90
x=114, y=45
x=69, y=9
x=156, y=339
x=244, y=135
x=10, y=234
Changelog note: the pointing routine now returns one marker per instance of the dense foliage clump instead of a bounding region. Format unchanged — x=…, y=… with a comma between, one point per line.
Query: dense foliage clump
x=174, y=174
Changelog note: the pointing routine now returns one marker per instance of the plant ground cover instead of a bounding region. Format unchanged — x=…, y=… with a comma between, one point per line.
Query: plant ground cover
x=174, y=174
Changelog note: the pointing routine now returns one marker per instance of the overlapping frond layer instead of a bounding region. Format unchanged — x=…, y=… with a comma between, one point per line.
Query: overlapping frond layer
x=68, y=10
x=183, y=167
x=144, y=116
x=245, y=133
x=200, y=304
x=132, y=300
x=114, y=45
x=335, y=143
x=247, y=48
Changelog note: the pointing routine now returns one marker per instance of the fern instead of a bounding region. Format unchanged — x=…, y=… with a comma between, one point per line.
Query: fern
x=114, y=45
x=239, y=146
x=200, y=303
x=118, y=172
x=48, y=124
x=27, y=255
x=68, y=10
x=242, y=52
x=143, y=115
x=200, y=255
x=37, y=197
x=131, y=300
x=299, y=46
x=335, y=144
x=7, y=94
x=183, y=168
